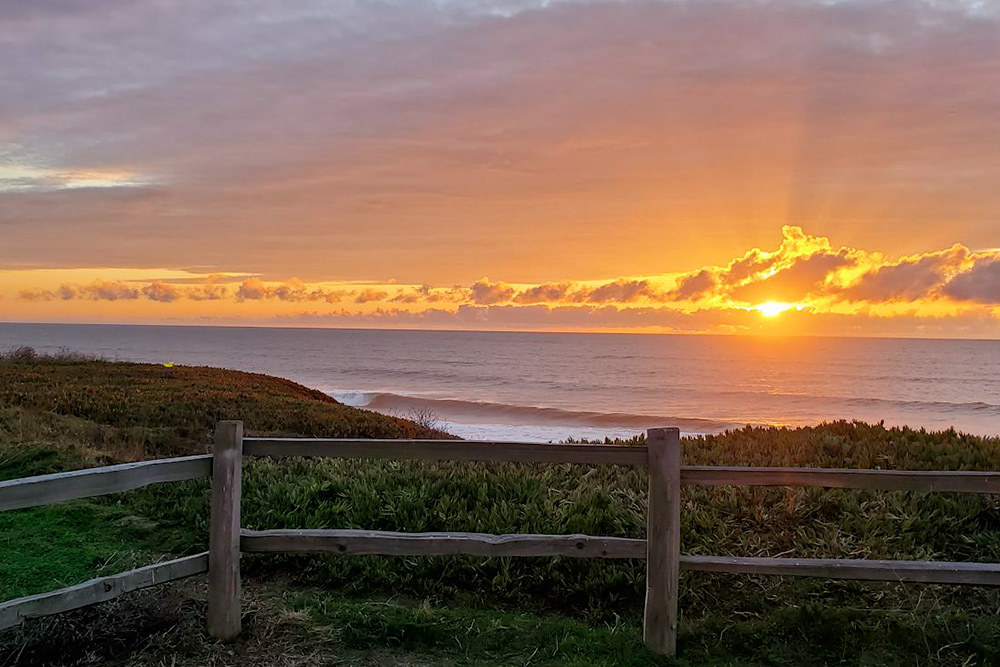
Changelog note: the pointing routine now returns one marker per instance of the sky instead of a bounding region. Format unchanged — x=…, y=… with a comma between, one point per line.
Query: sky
x=730, y=166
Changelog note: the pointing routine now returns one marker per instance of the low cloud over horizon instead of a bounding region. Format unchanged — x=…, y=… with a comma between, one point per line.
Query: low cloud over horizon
x=804, y=280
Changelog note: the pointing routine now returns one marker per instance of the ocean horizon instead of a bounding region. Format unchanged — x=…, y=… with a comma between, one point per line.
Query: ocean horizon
x=552, y=386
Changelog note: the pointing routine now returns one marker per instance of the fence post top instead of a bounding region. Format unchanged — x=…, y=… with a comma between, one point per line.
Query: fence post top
x=231, y=427
x=663, y=433
x=228, y=436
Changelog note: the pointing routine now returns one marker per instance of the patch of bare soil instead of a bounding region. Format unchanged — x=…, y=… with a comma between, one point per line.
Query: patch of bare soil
x=165, y=627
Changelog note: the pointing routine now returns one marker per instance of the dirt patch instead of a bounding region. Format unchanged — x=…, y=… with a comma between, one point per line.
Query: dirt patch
x=165, y=626
x=98, y=635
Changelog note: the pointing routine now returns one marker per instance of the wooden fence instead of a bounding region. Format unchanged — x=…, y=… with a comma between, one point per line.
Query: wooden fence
x=661, y=549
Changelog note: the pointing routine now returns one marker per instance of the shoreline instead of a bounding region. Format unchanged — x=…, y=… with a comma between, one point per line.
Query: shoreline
x=486, y=420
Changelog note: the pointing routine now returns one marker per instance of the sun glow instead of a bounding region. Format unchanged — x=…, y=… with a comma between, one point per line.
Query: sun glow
x=773, y=308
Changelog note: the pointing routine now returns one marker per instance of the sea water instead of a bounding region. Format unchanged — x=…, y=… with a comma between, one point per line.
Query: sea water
x=552, y=386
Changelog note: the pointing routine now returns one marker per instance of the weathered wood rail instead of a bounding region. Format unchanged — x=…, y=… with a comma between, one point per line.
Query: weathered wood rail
x=101, y=589
x=63, y=486
x=661, y=549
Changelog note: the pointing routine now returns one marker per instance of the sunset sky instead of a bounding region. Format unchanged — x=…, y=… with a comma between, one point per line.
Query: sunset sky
x=664, y=166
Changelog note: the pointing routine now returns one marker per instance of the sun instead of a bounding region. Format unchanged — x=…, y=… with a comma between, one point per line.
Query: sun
x=773, y=308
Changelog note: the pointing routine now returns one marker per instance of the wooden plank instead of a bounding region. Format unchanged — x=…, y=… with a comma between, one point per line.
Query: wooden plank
x=12, y=613
x=455, y=450
x=224, y=616
x=63, y=486
x=484, y=450
x=919, y=571
x=663, y=540
x=369, y=542
x=365, y=542
x=844, y=478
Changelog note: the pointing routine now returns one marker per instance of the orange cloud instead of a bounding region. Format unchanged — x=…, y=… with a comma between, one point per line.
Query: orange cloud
x=252, y=289
x=97, y=291
x=694, y=286
x=485, y=292
x=369, y=295
x=544, y=293
x=208, y=291
x=293, y=290
x=910, y=278
x=980, y=283
x=161, y=291
x=803, y=279
x=619, y=291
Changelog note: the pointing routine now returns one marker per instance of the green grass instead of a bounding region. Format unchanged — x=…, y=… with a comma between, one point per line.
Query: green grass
x=490, y=637
x=52, y=547
x=68, y=414
x=472, y=635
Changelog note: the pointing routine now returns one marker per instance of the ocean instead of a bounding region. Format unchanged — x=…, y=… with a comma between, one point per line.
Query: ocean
x=552, y=386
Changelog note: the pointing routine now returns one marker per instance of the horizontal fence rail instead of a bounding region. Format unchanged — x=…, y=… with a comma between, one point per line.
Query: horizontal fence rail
x=903, y=571
x=359, y=542
x=519, y=452
x=844, y=478
x=445, y=450
x=387, y=543
x=102, y=589
x=62, y=486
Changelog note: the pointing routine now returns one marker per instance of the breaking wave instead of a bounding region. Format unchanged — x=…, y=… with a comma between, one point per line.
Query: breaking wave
x=451, y=409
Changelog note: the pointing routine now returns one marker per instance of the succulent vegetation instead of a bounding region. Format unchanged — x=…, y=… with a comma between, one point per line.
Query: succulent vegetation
x=66, y=413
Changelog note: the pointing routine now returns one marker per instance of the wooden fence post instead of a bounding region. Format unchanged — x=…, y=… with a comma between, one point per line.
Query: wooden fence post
x=224, y=532
x=663, y=540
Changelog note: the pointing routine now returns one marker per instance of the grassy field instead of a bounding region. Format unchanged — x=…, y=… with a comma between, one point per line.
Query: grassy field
x=63, y=414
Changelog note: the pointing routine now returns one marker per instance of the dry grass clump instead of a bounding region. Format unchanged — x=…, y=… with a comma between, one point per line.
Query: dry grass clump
x=28, y=353
x=160, y=628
